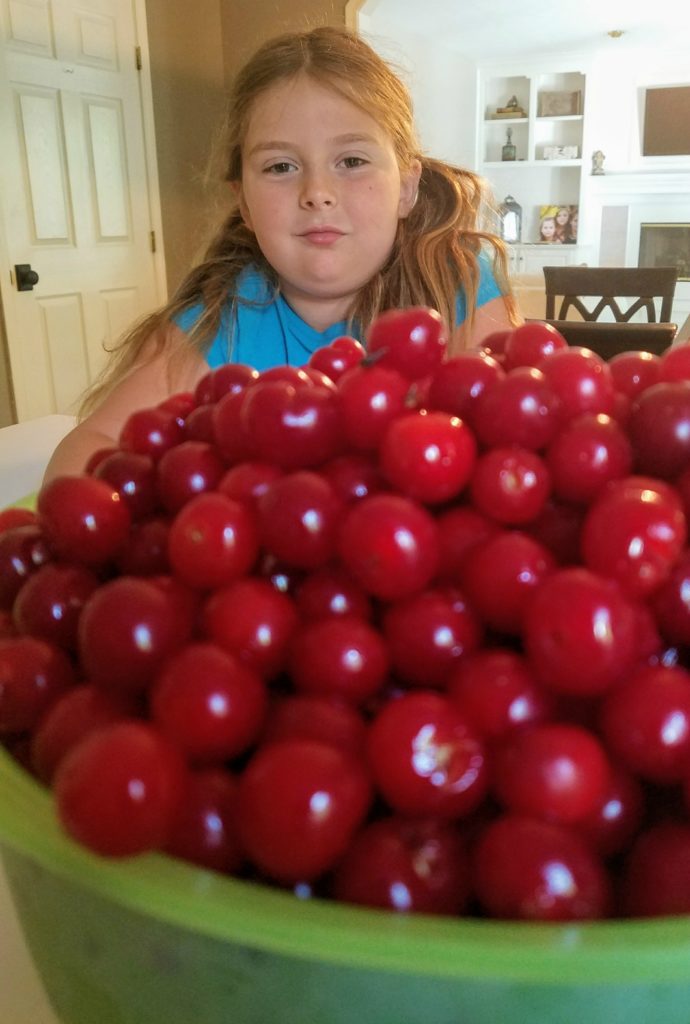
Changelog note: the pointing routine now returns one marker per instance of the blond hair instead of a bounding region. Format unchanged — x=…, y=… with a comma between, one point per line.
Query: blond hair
x=436, y=247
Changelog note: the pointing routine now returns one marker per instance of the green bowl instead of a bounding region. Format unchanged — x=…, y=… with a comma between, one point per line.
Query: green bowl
x=155, y=941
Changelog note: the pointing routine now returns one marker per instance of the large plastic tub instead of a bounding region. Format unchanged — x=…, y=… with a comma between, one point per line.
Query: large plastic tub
x=155, y=941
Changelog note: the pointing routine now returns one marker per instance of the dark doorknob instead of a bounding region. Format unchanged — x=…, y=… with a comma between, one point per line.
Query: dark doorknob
x=26, y=277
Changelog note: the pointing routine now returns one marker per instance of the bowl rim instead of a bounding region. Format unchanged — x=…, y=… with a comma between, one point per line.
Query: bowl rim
x=234, y=910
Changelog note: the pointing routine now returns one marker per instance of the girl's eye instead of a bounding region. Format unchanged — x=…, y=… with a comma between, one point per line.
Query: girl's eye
x=281, y=167
x=354, y=161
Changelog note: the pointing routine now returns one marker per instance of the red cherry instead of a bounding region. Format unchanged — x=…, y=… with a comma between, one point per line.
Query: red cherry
x=412, y=340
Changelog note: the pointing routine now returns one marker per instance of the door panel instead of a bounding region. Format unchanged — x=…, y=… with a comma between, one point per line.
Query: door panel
x=74, y=193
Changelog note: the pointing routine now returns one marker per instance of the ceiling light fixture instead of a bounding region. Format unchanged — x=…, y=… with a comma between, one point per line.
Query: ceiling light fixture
x=615, y=33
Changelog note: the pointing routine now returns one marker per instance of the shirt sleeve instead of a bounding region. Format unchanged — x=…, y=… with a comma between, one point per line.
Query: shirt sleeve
x=487, y=289
x=218, y=352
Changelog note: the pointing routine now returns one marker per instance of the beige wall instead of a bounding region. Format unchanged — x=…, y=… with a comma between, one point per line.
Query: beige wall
x=195, y=50
x=187, y=78
x=248, y=24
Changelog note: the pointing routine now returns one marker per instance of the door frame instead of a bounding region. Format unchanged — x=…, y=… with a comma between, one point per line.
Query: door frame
x=7, y=282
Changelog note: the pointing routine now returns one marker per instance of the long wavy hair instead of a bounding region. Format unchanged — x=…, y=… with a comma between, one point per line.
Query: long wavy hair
x=436, y=246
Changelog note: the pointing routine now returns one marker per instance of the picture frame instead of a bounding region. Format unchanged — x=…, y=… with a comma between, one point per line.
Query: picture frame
x=558, y=224
x=559, y=104
x=666, y=245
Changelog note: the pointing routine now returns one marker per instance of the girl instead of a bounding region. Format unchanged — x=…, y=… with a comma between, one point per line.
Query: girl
x=334, y=217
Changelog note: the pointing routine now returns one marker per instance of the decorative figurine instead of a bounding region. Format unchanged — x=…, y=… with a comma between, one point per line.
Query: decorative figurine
x=598, y=162
x=509, y=151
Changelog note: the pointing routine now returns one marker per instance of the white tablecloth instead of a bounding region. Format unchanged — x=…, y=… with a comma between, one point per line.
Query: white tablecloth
x=25, y=449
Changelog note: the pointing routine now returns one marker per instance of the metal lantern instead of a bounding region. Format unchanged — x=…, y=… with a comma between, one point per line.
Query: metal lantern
x=511, y=220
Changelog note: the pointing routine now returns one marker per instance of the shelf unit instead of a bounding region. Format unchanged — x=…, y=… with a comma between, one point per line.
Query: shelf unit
x=536, y=178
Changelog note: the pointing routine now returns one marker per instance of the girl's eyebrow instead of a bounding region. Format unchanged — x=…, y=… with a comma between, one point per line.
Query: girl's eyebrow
x=339, y=140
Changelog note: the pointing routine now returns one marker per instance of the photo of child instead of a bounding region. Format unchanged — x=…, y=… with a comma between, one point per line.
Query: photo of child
x=558, y=224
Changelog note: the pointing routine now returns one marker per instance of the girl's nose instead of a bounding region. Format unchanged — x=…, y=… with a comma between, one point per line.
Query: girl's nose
x=317, y=192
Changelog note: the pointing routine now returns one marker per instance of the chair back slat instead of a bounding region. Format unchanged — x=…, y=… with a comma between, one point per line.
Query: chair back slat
x=643, y=284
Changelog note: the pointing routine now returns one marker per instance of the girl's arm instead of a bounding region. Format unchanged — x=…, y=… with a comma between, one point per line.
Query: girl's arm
x=146, y=385
x=489, y=317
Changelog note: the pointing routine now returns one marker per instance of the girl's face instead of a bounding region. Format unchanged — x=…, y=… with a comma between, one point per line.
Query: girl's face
x=562, y=217
x=322, y=191
x=548, y=228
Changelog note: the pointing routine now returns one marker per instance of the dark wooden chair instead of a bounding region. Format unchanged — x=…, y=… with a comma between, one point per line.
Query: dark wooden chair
x=607, y=339
x=608, y=284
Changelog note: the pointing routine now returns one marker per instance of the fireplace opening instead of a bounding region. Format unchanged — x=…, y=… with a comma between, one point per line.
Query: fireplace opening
x=666, y=245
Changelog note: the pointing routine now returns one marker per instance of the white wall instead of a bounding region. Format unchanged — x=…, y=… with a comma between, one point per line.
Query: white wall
x=443, y=86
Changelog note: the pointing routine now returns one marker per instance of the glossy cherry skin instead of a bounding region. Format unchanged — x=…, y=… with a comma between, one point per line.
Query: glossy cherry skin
x=520, y=409
x=232, y=439
x=300, y=803
x=207, y=703
x=354, y=476
x=425, y=758
x=500, y=575
x=311, y=716
x=224, y=380
x=298, y=519
x=33, y=675
x=389, y=544
x=78, y=712
x=247, y=481
x=427, y=634
x=675, y=363
x=294, y=426
x=118, y=791
x=337, y=358
x=338, y=656
x=497, y=692
x=412, y=341
x=150, y=432
x=51, y=601
x=580, y=632
x=584, y=456
x=581, y=380
x=645, y=723
x=146, y=550
x=370, y=397
x=132, y=474
x=634, y=372
x=407, y=865
x=656, y=881
x=188, y=469
x=252, y=620
x=649, y=536
x=671, y=602
x=552, y=771
x=533, y=870
x=14, y=516
x=213, y=540
x=616, y=819
x=126, y=631
x=428, y=456
x=23, y=550
x=331, y=590
x=204, y=829
x=530, y=343
x=458, y=384
x=83, y=519
x=510, y=485
x=659, y=429
x=460, y=529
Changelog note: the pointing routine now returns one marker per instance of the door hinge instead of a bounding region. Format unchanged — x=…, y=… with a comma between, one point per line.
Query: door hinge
x=137, y=57
x=152, y=240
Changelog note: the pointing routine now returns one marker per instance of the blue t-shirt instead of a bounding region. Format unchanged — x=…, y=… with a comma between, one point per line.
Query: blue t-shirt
x=266, y=332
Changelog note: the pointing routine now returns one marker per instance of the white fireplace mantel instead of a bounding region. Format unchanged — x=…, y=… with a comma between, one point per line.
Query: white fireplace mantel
x=620, y=202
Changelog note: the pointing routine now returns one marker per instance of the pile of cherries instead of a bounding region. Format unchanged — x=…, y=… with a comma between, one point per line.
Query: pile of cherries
x=393, y=628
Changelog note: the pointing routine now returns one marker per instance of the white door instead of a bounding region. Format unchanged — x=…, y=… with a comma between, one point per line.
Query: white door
x=77, y=195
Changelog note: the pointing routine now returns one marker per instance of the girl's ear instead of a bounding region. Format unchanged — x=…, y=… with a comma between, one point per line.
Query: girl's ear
x=409, y=186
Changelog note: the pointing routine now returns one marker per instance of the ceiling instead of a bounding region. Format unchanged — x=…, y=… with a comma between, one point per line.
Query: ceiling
x=491, y=29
